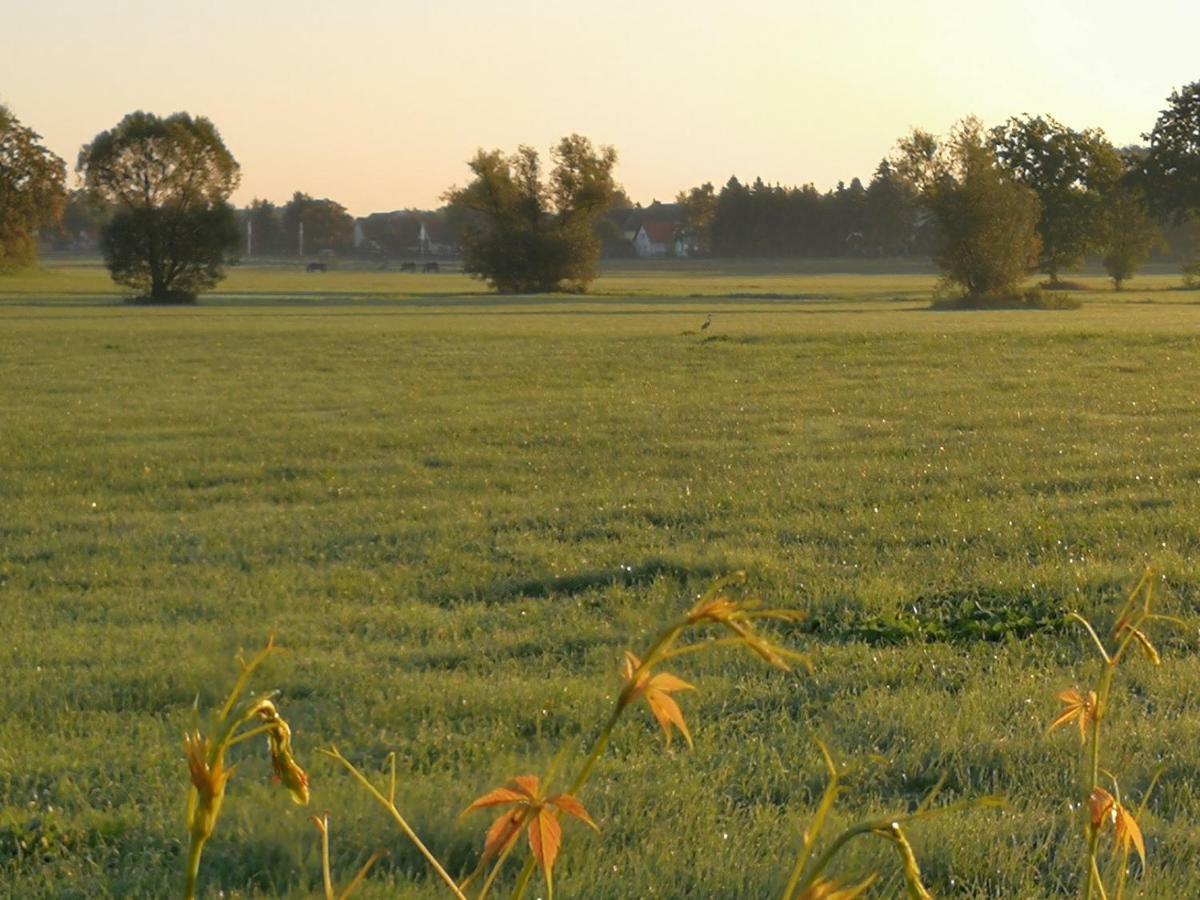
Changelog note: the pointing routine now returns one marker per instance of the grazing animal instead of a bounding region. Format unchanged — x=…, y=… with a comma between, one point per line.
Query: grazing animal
x=707, y=323
x=431, y=267
x=316, y=267
x=408, y=267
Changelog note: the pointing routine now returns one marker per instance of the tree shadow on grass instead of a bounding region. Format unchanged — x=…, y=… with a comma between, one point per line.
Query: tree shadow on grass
x=577, y=582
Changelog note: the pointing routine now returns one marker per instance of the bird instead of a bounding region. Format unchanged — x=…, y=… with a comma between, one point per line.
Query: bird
x=707, y=323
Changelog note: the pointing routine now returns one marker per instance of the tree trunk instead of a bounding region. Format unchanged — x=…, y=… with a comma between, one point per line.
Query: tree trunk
x=158, y=284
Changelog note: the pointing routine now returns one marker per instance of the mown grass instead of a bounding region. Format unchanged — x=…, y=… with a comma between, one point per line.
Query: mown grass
x=456, y=511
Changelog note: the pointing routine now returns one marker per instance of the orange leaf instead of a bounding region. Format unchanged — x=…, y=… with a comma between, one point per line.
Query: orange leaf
x=1100, y=806
x=630, y=665
x=502, y=833
x=667, y=712
x=668, y=683
x=1128, y=833
x=545, y=837
x=1067, y=715
x=718, y=609
x=1078, y=708
x=1147, y=647
x=573, y=807
x=527, y=785
x=498, y=797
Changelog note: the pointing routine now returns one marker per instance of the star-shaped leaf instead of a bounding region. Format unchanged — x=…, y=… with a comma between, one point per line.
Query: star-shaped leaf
x=532, y=812
x=657, y=688
x=1077, y=708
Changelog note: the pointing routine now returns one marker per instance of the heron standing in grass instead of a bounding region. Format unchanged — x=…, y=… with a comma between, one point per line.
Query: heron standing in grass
x=707, y=323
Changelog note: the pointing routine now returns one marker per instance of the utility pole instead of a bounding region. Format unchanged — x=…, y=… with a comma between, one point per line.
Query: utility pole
x=301, y=240
x=249, y=237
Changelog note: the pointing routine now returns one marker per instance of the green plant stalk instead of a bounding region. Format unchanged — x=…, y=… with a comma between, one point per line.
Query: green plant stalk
x=1103, y=691
x=326, y=875
x=662, y=648
x=839, y=842
x=192, y=873
x=657, y=650
x=216, y=758
x=884, y=828
x=1094, y=872
x=524, y=879
x=362, y=873
x=492, y=875
x=912, y=871
x=828, y=798
x=399, y=820
x=1121, y=874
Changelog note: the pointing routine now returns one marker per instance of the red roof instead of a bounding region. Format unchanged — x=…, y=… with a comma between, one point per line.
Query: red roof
x=660, y=232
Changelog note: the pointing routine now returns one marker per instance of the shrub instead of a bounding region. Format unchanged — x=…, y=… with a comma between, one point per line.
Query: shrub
x=1191, y=276
x=986, y=220
x=1031, y=298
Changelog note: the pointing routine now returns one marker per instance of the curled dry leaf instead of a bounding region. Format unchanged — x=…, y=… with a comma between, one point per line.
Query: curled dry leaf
x=279, y=744
x=1104, y=808
x=738, y=617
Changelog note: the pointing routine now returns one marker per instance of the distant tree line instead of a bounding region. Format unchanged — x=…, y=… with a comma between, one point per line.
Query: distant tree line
x=276, y=230
x=765, y=220
x=987, y=205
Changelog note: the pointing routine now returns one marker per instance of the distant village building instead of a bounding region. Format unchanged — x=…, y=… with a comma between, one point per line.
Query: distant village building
x=656, y=230
x=655, y=239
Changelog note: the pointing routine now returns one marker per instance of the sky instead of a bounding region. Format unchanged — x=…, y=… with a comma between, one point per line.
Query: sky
x=378, y=104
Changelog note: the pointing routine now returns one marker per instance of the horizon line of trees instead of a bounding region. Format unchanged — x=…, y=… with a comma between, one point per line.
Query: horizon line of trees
x=988, y=205
x=1032, y=190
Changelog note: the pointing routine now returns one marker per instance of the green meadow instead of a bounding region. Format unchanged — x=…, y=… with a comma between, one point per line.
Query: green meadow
x=455, y=511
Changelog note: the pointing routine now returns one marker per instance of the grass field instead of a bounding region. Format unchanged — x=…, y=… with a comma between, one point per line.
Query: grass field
x=456, y=511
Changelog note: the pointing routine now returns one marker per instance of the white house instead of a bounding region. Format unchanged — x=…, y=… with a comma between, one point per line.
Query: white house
x=656, y=239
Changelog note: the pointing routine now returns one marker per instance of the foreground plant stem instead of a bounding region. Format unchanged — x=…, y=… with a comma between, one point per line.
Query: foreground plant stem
x=390, y=806
x=1130, y=621
x=814, y=829
x=195, y=849
x=206, y=761
x=805, y=877
x=524, y=878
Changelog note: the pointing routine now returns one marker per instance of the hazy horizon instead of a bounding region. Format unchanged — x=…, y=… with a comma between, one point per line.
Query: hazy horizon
x=379, y=105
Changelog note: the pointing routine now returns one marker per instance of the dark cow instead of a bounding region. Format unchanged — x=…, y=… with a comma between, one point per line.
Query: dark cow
x=408, y=267
x=431, y=267
x=316, y=267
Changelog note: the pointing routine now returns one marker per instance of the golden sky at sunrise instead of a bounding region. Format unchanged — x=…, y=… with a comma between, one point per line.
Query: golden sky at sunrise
x=378, y=104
